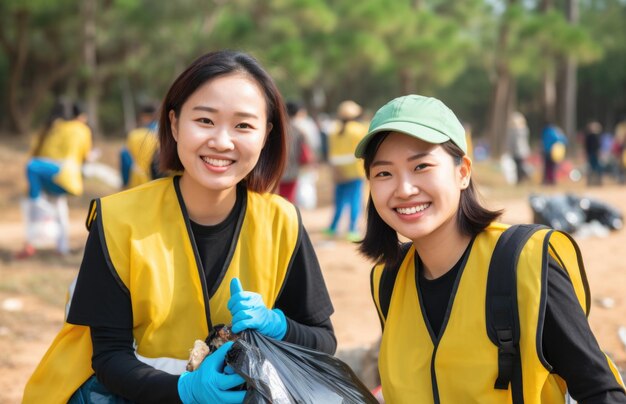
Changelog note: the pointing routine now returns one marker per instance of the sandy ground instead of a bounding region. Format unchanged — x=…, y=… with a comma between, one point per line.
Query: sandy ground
x=32, y=292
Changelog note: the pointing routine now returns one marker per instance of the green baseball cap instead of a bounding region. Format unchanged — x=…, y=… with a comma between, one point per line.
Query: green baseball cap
x=425, y=118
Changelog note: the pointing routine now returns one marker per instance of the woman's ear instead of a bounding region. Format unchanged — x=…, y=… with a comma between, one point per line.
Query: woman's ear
x=465, y=171
x=174, y=125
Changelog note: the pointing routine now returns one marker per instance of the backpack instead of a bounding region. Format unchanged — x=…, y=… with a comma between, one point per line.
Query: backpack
x=501, y=311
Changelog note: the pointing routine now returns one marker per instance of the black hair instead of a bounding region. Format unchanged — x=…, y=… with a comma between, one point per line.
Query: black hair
x=381, y=242
x=293, y=107
x=77, y=110
x=148, y=109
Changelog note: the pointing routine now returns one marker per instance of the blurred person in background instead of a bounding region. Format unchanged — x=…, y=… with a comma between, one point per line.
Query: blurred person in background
x=299, y=154
x=166, y=261
x=306, y=190
x=139, y=158
x=607, y=164
x=309, y=128
x=54, y=171
x=618, y=150
x=433, y=293
x=325, y=123
x=592, y=147
x=517, y=134
x=554, y=148
x=348, y=174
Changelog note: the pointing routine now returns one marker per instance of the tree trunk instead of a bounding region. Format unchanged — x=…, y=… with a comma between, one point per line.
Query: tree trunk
x=569, y=89
x=128, y=105
x=17, y=55
x=549, y=96
x=568, y=98
x=501, y=100
x=500, y=107
x=548, y=89
x=91, y=64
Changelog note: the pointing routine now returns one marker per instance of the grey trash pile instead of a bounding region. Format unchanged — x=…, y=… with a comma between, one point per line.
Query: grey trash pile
x=572, y=213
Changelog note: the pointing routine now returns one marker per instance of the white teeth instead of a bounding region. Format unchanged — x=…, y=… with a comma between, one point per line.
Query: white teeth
x=412, y=209
x=216, y=162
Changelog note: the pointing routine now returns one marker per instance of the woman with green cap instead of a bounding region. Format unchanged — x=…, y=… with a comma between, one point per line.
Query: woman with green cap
x=452, y=331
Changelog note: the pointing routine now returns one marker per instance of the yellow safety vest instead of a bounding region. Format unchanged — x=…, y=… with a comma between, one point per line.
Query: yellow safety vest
x=68, y=143
x=149, y=245
x=463, y=365
x=341, y=147
x=142, y=144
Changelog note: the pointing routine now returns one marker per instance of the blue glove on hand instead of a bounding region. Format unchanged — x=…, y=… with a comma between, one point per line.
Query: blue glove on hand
x=249, y=312
x=208, y=383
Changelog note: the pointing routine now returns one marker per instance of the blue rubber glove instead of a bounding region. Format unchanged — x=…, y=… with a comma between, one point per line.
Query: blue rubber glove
x=249, y=312
x=208, y=383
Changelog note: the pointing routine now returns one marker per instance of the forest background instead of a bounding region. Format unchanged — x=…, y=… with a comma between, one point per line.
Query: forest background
x=560, y=60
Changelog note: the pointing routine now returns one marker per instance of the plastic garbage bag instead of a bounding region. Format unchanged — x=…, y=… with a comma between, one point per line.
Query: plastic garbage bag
x=306, y=192
x=601, y=212
x=507, y=164
x=569, y=212
x=44, y=221
x=283, y=373
x=102, y=172
x=560, y=212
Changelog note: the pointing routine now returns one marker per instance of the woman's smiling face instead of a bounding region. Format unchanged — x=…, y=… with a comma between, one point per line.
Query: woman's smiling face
x=220, y=131
x=416, y=186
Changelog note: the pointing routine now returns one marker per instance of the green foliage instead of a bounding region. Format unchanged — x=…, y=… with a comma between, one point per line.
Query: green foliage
x=369, y=50
x=468, y=96
x=603, y=82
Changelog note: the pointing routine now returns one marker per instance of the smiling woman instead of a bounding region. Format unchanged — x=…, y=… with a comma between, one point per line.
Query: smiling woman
x=160, y=258
x=432, y=294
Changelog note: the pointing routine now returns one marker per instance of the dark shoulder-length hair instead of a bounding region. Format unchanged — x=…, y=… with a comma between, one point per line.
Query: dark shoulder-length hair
x=266, y=174
x=381, y=242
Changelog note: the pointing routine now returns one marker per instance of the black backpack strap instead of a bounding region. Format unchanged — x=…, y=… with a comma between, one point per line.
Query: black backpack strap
x=387, y=280
x=502, y=316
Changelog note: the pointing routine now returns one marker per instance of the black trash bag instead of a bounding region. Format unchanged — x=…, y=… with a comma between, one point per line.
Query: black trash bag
x=262, y=380
x=561, y=212
x=600, y=212
x=283, y=373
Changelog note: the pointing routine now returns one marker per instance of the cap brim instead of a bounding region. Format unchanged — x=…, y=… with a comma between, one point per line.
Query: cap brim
x=408, y=128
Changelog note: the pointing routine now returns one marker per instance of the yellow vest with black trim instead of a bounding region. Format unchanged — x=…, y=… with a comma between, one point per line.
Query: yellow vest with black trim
x=150, y=248
x=68, y=143
x=142, y=144
x=463, y=366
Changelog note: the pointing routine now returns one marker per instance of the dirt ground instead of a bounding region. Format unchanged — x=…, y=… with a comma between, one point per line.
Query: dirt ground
x=32, y=292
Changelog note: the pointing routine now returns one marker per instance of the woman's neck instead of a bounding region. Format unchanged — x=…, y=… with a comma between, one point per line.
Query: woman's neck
x=205, y=206
x=440, y=250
